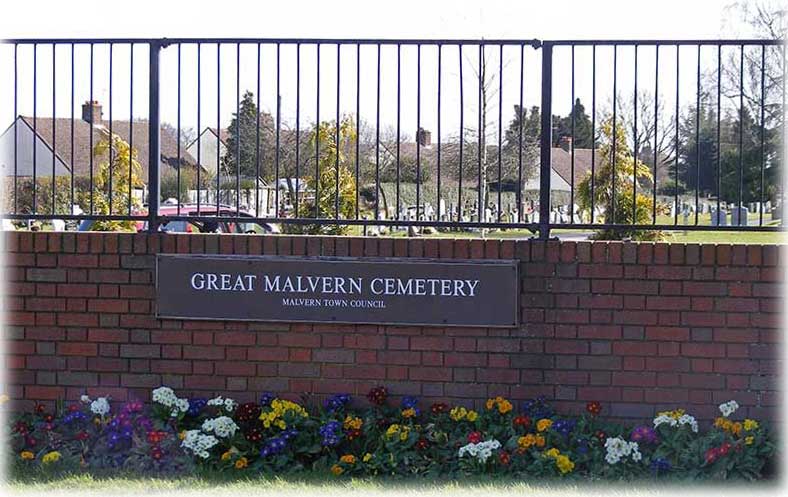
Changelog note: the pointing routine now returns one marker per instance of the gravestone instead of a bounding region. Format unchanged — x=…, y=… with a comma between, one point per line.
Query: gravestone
x=739, y=216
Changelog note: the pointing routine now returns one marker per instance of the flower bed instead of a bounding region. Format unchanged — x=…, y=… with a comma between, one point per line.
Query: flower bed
x=176, y=435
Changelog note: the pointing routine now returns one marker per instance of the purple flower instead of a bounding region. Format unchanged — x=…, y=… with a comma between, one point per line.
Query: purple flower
x=409, y=402
x=644, y=434
x=331, y=432
x=266, y=399
x=336, y=402
x=195, y=406
x=660, y=465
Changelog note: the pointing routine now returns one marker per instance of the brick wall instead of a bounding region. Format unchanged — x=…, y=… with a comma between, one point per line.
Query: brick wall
x=638, y=326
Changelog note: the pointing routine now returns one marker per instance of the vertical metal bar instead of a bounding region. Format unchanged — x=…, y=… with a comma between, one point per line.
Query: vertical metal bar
x=480, y=198
x=71, y=205
x=782, y=111
x=593, y=131
x=719, y=142
x=500, y=124
x=111, y=141
x=546, y=141
x=572, y=151
x=697, y=141
x=257, y=144
x=154, y=145
x=462, y=138
x=298, y=123
x=520, y=139
x=377, y=140
x=218, y=121
x=438, y=198
x=35, y=131
x=199, y=129
x=678, y=141
x=54, y=124
x=90, y=131
x=612, y=218
x=635, y=145
x=336, y=138
x=178, y=171
x=317, y=136
x=278, y=129
x=418, y=131
x=741, y=134
x=656, y=132
x=238, y=129
x=358, y=121
x=16, y=121
x=399, y=122
x=131, y=122
x=763, y=125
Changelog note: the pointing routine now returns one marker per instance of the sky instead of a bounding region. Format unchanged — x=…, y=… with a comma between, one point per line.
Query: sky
x=406, y=19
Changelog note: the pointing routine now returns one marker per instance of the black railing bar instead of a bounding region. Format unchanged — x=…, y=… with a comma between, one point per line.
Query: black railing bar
x=668, y=42
x=76, y=217
x=54, y=131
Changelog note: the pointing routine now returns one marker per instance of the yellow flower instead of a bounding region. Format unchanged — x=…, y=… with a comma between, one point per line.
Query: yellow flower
x=539, y=441
x=281, y=424
x=750, y=424
x=367, y=457
x=241, y=463
x=526, y=441
x=675, y=414
x=489, y=404
x=504, y=406
x=4, y=398
x=50, y=457
x=564, y=464
x=719, y=422
x=458, y=413
x=749, y=440
x=736, y=428
x=337, y=469
x=403, y=436
x=348, y=459
x=182, y=434
x=409, y=412
x=554, y=452
x=226, y=456
x=352, y=423
x=27, y=455
x=544, y=424
x=472, y=415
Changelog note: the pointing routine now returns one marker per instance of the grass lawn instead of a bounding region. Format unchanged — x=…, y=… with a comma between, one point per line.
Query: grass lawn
x=322, y=485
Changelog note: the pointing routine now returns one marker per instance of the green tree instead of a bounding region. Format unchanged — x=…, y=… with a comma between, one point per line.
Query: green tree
x=583, y=138
x=124, y=175
x=618, y=202
x=326, y=204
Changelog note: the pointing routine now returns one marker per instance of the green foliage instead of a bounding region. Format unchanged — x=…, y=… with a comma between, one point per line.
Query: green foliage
x=562, y=126
x=123, y=174
x=618, y=204
x=328, y=204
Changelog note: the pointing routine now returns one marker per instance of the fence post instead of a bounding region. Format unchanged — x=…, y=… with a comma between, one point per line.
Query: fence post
x=154, y=142
x=546, y=140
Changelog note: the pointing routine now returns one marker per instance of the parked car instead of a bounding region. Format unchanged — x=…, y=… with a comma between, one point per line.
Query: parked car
x=202, y=226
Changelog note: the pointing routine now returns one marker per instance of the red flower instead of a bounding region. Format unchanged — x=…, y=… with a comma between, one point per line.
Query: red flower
x=439, y=408
x=725, y=448
x=712, y=455
x=600, y=435
x=353, y=434
x=522, y=420
x=155, y=437
x=73, y=408
x=31, y=441
x=156, y=453
x=422, y=444
x=594, y=408
x=40, y=408
x=378, y=395
x=505, y=458
x=474, y=437
x=21, y=428
x=82, y=436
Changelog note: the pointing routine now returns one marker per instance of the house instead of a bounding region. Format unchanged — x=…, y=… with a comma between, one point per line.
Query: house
x=52, y=139
x=210, y=143
x=562, y=161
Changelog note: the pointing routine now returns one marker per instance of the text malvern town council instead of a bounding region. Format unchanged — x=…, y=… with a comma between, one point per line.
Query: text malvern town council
x=334, y=286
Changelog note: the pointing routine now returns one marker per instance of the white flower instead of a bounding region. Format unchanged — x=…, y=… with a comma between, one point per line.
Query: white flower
x=199, y=443
x=728, y=408
x=618, y=448
x=222, y=426
x=481, y=451
x=663, y=419
x=100, y=406
x=690, y=420
x=612, y=458
x=166, y=397
x=84, y=399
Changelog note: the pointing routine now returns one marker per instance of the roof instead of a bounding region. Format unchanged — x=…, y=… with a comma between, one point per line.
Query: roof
x=62, y=128
x=562, y=164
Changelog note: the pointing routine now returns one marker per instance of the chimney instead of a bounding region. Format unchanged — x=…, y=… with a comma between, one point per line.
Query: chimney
x=86, y=109
x=566, y=143
x=424, y=137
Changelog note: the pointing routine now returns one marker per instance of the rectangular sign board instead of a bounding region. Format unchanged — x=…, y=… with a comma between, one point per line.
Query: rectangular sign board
x=338, y=290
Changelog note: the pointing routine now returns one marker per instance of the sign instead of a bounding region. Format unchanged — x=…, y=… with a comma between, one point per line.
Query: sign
x=337, y=290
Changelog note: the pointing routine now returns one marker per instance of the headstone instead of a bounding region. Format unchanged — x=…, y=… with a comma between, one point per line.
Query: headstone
x=719, y=218
x=739, y=216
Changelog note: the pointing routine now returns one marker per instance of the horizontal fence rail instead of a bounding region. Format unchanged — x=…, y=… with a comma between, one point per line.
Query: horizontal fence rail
x=318, y=135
